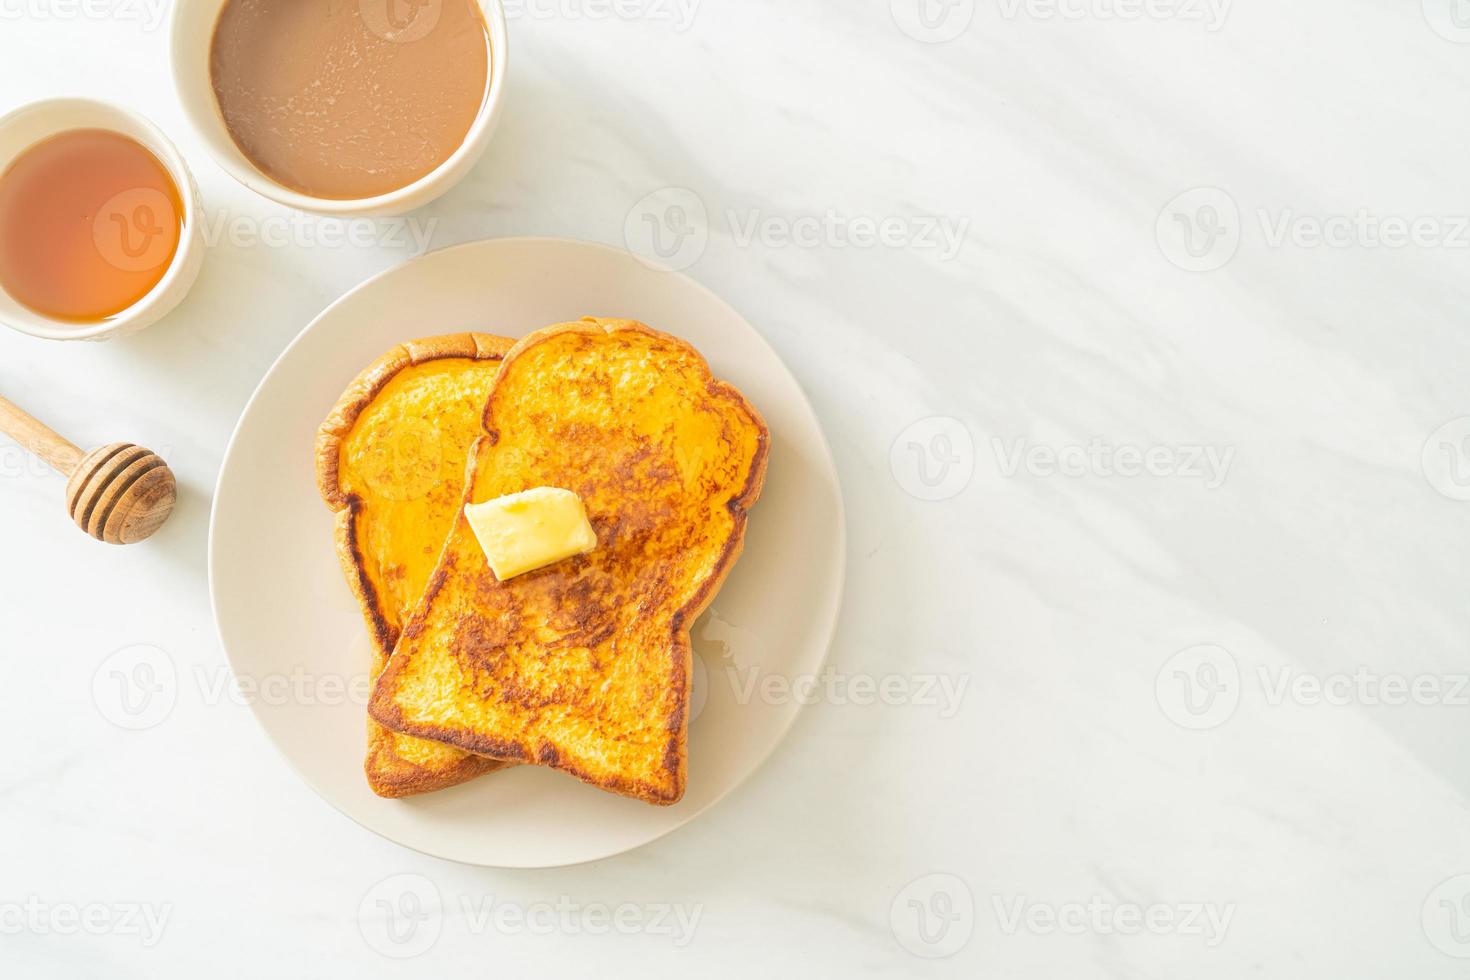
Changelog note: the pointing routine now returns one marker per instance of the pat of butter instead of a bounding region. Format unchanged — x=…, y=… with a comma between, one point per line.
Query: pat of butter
x=526, y=531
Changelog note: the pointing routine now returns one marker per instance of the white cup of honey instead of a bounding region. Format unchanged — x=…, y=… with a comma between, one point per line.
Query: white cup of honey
x=100, y=232
x=342, y=107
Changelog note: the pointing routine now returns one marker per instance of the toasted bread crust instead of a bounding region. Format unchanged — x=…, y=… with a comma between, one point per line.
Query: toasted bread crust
x=388, y=774
x=669, y=788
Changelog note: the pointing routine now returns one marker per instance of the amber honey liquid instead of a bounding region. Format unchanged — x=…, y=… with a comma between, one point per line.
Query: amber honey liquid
x=90, y=221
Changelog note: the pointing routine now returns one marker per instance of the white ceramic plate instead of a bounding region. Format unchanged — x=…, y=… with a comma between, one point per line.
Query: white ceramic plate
x=292, y=630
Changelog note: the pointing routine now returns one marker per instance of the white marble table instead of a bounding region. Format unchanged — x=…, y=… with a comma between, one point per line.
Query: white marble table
x=1135, y=329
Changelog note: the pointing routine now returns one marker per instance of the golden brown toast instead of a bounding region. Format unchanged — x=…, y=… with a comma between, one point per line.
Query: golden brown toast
x=391, y=463
x=584, y=665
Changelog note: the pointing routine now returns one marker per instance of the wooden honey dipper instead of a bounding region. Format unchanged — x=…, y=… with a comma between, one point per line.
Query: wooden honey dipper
x=119, y=494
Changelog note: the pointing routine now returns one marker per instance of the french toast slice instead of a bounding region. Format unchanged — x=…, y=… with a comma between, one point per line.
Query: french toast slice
x=584, y=666
x=391, y=464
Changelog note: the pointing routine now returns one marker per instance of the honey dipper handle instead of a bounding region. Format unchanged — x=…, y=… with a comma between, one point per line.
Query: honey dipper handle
x=39, y=439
